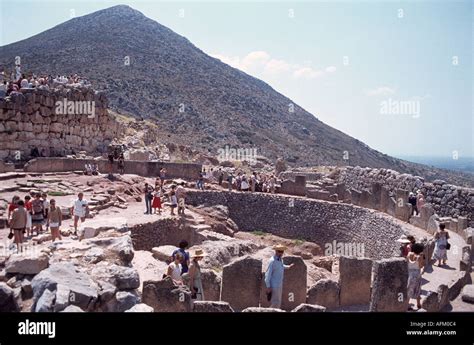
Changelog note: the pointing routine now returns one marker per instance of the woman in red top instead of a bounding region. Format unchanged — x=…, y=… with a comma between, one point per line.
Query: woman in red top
x=156, y=200
x=12, y=206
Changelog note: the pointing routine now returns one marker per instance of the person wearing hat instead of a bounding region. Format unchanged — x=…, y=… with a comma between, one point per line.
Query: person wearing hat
x=195, y=280
x=274, y=276
x=404, y=248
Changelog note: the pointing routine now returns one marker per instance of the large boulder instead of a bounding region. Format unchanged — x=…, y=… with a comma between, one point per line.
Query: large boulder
x=354, y=280
x=309, y=308
x=389, y=287
x=211, y=284
x=120, y=247
x=262, y=310
x=211, y=307
x=241, y=281
x=467, y=294
x=165, y=296
x=83, y=291
x=140, y=308
x=72, y=309
x=8, y=302
x=31, y=263
x=325, y=292
x=45, y=303
x=122, y=301
x=163, y=253
x=124, y=278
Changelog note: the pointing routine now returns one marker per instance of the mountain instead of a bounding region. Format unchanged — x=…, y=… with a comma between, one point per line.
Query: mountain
x=166, y=73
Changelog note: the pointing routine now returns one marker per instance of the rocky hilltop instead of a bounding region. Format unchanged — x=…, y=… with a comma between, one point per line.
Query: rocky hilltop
x=195, y=100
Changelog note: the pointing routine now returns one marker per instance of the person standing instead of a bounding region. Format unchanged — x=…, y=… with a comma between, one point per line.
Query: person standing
x=230, y=180
x=121, y=164
x=46, y=209
x=156, y=204
x=253, y=182
x=182, y=250
x=244, y=185
x=148, y=197
x=37, y=213
x=28, y=208
x=441, y=245
x=416, y=262
x=18, y=224
x=162, y=176
x=195, y=279
x=404, y=248
x=272, y=184
x=420, y=200
x=173, y=200
x=220, y=176
x=55, y=218
x=412, y=202
x=274, y=276
x=181, y=197
x=79, y=210
x=175, y=269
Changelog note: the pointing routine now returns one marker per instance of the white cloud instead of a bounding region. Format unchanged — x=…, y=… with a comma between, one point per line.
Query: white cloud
x=380, y=91
x=261, y=63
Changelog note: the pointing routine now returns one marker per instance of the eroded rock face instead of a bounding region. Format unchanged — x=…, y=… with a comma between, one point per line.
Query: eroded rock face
x=309, y=308
x=212, y=307
x=355, y=276
x=241, y=281
x=165, y=296
x=32, y=263
x=8, y=302
x=83, y=291
x=467, y=293
x=389, y=287
x=325, y=293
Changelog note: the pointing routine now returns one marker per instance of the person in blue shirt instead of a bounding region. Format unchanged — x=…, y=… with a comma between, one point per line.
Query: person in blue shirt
x=182, y=249
x=274, y=276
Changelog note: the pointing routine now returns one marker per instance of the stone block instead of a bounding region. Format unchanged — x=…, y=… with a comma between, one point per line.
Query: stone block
x=354, y=280
x=389, y=288
x=325, y=292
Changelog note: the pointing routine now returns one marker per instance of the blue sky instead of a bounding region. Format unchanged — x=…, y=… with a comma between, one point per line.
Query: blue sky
x=342, y=61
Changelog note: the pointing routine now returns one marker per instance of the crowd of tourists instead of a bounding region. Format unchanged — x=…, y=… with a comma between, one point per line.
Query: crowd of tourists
x=414, y=251
x=18, y=81
x=33, y=216
x=240, y=181
x=156, y=196
x=184, y=269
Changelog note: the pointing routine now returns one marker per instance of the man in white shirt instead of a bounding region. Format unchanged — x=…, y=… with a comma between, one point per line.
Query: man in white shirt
x=79, y=210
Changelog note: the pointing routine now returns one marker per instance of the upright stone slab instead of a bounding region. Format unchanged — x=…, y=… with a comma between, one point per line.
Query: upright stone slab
x=367, y=199
x=241, y=281
x=340, y=190
x=462, y=224
x=354, y=280
x=389, y=287
x=325, y=292
x=392, y=206
x=377, y=195
x=355, y=196
x=433, y=224
x=294, y=283
x=403, y=212
x=426, y=212
x=384, y=199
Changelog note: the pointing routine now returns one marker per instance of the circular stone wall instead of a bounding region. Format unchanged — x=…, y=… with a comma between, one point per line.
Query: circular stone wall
x=313, y=220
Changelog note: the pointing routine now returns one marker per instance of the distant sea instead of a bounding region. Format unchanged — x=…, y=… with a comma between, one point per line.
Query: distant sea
x=464, y=164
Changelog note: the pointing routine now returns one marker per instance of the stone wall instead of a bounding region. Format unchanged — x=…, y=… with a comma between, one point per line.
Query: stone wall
x=151, y=169
x=33, y=118
x=447, y=200
x=313, y=220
